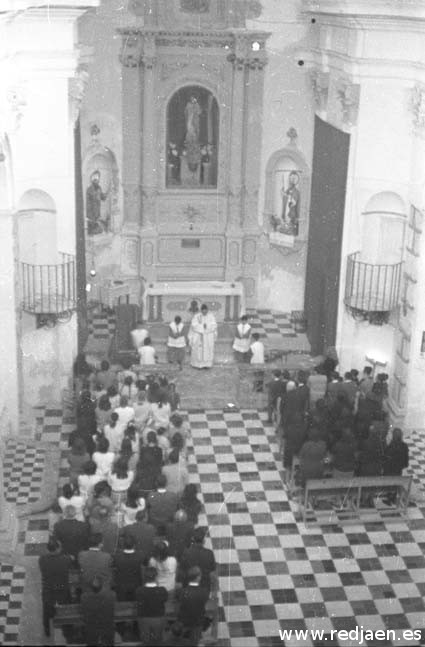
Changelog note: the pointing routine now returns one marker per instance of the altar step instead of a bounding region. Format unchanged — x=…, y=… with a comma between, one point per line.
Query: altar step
x=212, y=388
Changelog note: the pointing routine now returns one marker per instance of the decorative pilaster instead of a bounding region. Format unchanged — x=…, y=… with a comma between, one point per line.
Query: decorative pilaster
x=238, y=59
x=150, y=161
x=131, y=59
x=417, y=107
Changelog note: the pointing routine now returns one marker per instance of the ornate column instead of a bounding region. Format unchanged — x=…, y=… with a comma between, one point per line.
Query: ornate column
x=150, y=157
x=131, y=59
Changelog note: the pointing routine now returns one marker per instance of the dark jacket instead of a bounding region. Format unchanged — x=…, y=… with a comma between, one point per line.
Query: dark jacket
x=198, y=555
x=192, y=605
x=73, y=535
x=144, y=535
x=128, y=573
x=55, y=577
x=97, y=610
x=95, y=563
x=151, y=601
x=178, y=535
x=396, y=458
x=162, y=507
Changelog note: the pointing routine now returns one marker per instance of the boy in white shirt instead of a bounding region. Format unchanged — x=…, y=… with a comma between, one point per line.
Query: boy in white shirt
x=147, y=353
x=257, y=350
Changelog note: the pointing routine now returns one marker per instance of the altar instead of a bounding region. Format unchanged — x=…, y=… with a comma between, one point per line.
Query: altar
x=163, y=301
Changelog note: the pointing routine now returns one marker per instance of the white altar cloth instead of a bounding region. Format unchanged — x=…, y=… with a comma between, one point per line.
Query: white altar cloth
x=162, y=301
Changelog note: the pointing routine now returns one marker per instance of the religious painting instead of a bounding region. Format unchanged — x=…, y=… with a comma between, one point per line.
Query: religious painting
x=192, y=139
x=286, y=213
x=100, y=191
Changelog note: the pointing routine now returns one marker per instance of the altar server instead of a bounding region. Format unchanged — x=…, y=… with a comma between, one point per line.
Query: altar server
x=176, y=345
x=242, y=341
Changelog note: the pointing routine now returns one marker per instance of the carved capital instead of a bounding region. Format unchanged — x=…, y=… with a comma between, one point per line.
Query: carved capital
x=417, y=106
x=76, y=88
x=12, y=107
x=320, y=86
x=131, y=50
x=348, y=95
x=149, y=51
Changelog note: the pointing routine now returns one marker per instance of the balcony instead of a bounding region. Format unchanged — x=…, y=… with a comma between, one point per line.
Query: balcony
x=49, y=290
x=372, y=291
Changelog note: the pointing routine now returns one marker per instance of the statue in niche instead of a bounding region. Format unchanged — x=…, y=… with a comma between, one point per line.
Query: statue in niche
x=192, y=139
x=287, y=206
x=96, y=224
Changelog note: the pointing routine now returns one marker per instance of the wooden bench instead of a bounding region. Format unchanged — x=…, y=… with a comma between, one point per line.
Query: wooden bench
x=69, y=615
x=354, y=491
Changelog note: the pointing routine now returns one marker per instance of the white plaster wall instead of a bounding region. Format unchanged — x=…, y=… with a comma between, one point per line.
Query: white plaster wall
x=361, y=340
x=9, y=399
x=47, y=356
x=287, y=103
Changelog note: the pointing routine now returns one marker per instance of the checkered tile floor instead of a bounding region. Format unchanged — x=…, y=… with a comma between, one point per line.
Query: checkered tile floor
x=275, y=574
x=266, y=322
x=269, y=323
x=23, y=469
x=101, y=325
x=12, y=582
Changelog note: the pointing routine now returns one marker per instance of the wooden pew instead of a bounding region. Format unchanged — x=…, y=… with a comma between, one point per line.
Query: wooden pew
x=355, y=489
x=70, y=615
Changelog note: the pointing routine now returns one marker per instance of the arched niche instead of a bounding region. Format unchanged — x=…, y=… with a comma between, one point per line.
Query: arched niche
x=383, y=229
x=101, y=185
x=192, y=138
x=287, y=193
x=37, y=228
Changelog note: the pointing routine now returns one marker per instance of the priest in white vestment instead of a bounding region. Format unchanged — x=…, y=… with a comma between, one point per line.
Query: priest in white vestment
x=202, y=336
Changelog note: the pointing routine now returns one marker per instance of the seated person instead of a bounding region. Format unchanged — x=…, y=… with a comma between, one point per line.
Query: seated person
x=193, y=599
x=151, y=598
x=312, y=456
x=396, y=455
x=147, y=353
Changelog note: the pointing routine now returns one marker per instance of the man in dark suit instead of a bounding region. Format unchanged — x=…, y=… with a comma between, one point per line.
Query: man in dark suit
x=54, y=567
x=179, y=534
x=151, y=600
x=97, y=609
x=275, y=390
x=72, y=534
x=143, y=534
x=128, y=564
x=198, y=555
x=193, y=599
x=95, y=562
x=162, y=504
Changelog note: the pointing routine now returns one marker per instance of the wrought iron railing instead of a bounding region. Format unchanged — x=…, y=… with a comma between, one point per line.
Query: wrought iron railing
x=372, y=288
x=49, y=289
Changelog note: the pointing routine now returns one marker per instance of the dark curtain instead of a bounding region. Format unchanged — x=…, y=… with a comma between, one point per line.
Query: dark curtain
x=329, y=178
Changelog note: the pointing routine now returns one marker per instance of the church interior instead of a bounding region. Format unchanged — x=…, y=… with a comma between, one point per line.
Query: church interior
x=262, y=158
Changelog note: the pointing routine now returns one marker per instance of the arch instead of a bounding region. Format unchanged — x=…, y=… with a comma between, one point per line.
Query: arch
x=383, y=228
x=36, y=200
x=287, y=182
x=386, y=202
x=192, y=137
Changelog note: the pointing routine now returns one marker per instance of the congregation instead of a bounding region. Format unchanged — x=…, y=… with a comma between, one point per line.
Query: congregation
x=127, y=519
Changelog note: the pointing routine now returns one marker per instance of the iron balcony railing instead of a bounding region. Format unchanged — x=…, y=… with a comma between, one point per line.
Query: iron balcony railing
x=372, y=288
x=49, y=289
